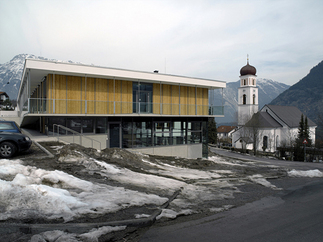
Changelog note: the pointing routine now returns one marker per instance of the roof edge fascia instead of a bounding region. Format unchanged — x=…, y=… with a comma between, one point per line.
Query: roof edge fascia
x=91, y=70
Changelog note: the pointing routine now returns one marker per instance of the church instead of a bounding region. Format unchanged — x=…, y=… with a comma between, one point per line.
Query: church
x=270, y=127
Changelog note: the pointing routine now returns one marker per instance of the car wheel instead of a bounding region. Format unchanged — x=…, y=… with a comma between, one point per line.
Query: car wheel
x=7, y=149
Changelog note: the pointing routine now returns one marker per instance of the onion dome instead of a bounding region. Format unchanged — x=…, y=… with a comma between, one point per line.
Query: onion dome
x=248, y=70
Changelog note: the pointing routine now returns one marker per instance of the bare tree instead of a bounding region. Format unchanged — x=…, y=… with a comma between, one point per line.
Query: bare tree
x=254, y=130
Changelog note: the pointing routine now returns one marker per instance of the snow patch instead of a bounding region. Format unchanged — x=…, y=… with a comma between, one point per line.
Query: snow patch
x=262, y=181
x=168, y=213
x=309, y=173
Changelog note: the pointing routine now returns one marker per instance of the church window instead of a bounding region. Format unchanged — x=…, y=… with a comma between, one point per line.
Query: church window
x=244, y=82
x=254, y=99
x=265, y=143
x=253, y=81
x=244, y=101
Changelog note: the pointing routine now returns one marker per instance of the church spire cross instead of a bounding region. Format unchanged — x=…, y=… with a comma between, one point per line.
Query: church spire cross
x=247, y=58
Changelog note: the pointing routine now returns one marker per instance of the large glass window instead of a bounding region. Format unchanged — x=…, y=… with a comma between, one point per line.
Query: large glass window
x=101, y=126
x=58, y=121
x=194, y=132
x=178, y=133
x=162, y=133
x=127, y=135
x=87, y=125
x=142, y=133
x=80, y=125
x=142, y=97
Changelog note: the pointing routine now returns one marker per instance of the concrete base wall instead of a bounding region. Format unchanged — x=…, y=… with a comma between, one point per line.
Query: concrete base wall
x=191, y=151
x=10, y=116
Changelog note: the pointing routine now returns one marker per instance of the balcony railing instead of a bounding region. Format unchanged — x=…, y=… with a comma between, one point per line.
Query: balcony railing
x=69, y=106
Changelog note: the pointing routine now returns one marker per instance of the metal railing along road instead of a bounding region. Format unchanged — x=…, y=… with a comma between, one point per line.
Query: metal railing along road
x=74, y=133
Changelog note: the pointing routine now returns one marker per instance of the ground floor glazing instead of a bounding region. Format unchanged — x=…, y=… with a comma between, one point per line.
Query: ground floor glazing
x=137, y=132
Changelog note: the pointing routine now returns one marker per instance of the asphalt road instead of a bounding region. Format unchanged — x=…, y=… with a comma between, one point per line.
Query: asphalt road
x=296, y=215
x=299, y=165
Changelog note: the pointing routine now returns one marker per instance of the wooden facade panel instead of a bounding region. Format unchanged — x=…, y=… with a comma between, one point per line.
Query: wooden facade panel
x=205, y=101
x=191, y=101
x=175, y=100
x=156, y=98
x=183, y=100
x=90, y=95
x=74, y=92
x=101, y=96
x=49, y=102
x=110, y=96
x=199, y=101
x=167, y=99
x=59, y=93
x=118, y=96
x=105, y=96
x=126, y=97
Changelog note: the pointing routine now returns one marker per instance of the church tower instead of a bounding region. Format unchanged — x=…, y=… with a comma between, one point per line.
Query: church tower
x=247, y=94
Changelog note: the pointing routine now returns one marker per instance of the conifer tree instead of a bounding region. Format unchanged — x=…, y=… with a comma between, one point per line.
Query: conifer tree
x=307, y=132
x=212, y=132
x=300, y=136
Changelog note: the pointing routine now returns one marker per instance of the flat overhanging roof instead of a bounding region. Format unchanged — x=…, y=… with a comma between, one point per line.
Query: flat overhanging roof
x=40, y=68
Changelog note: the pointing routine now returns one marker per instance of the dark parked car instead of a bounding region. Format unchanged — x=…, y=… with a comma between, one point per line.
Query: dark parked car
x=9, y=126
x=12, y=140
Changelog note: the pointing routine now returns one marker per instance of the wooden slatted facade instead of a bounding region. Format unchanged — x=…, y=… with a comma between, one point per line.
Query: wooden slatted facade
x=89, y=95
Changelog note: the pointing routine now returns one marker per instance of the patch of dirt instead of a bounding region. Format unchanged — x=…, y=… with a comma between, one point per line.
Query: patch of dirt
x=65, y=155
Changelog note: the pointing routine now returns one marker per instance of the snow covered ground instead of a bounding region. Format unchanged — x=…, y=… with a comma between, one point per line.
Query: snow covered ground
x=30, y=192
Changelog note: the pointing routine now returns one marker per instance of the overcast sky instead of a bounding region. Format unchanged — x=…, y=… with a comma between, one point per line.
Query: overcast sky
x=207, y=39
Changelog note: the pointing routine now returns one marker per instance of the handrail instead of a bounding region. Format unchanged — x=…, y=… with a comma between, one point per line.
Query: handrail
x=73, y=132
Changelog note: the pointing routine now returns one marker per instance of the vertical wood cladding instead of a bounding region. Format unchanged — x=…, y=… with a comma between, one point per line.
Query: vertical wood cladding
x=184, y=101
x=101, y=97
x=59, y=93
x=167, y=99
x=126, y=97
x=74, y=94
x=156, y=98
x=88, y=95
x=205, y=101
x=175, y=100
x=110, y=96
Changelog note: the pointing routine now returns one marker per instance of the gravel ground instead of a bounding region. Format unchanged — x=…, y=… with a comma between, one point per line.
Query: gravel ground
x=246, y=192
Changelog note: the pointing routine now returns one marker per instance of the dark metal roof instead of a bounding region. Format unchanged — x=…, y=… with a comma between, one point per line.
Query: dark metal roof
x=248, y=70
x=289, y=115
x=263, y=120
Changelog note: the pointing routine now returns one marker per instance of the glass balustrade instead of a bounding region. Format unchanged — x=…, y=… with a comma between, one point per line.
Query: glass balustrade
x=68, y=106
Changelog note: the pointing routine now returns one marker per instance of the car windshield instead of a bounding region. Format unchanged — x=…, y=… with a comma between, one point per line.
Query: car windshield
x=7, y=126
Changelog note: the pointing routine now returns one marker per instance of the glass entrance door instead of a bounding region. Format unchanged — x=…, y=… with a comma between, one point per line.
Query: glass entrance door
x=114, y=139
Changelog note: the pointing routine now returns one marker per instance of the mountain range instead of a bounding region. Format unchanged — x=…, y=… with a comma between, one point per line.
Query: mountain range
x=307, y=95
x=11, y=72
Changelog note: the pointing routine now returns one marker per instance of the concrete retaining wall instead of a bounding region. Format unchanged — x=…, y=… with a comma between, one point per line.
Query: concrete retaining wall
x=191, y=151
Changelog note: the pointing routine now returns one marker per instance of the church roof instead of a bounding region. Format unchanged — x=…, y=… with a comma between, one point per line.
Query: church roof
x=289, y=115
x=248, y=70
x=262, y=120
